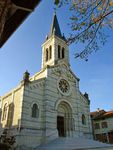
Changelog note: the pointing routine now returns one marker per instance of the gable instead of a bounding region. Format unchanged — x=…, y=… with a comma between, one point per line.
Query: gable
x=64, y=71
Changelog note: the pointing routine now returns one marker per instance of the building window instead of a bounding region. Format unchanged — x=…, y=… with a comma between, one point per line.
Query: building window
x=47, y=54
x=50, y=52
x=5, y=109
x=35, y=111
x=58, y=51
x=83, y=119
x=97, y=126
x=63, y=53
x=104, y=124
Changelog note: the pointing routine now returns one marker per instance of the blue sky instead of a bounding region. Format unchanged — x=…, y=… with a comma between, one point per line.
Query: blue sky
x=23, y=52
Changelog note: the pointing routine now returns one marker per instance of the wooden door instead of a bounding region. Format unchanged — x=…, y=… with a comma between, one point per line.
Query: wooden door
x=60, y=126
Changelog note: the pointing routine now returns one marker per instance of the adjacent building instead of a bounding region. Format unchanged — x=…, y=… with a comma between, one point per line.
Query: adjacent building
x=102, y=123
x=49, y=104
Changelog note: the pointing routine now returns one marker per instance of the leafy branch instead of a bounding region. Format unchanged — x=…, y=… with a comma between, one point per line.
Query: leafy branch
x=88, y=22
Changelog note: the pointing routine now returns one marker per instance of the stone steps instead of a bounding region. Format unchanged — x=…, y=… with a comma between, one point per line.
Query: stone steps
x=74, y=144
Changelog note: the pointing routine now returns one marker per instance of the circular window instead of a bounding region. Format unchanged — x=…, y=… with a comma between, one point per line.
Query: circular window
x=64, y=86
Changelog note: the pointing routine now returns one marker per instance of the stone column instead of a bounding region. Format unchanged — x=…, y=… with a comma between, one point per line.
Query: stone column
x=107, y=137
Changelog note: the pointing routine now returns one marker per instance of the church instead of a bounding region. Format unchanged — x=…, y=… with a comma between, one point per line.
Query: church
x=49, y=104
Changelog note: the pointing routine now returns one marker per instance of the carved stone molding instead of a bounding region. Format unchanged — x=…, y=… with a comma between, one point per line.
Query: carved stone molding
x=63, y=71
x=36, y=85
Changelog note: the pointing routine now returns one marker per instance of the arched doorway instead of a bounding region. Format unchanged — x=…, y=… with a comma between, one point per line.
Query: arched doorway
x=64, y=119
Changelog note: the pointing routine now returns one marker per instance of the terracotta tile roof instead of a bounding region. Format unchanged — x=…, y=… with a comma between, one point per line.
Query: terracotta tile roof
x=101, y=114
x=97, y=113
x=108, y=114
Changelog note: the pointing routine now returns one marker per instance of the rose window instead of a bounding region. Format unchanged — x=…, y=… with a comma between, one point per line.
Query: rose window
x=64, y=86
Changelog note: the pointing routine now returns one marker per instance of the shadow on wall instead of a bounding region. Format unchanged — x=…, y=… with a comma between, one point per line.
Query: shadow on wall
x=10, y=115
x=4, y=146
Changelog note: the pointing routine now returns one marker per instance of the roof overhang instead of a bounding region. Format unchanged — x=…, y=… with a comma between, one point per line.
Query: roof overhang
x=19, y=11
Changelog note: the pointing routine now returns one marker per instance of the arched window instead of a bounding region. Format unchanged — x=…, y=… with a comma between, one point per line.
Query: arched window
x=50, y=52
x=58, y=51
x=83, y=119
x=47, y=54
x=35, y=111
x=63, y=53
x=5, y=109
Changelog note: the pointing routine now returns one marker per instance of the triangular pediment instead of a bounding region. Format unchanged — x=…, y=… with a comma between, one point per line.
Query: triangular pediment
x=63, y=70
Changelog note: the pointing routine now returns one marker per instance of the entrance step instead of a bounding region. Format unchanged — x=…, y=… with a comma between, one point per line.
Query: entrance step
x=74, y=144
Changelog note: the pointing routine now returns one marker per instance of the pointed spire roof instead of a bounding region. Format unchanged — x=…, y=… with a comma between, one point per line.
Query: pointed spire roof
x=55, y=29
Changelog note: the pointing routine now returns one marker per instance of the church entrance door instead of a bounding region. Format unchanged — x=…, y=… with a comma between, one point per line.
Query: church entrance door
x=60, y=126
x=64, y=119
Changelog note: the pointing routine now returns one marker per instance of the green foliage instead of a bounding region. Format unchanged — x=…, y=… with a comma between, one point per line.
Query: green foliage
x=88, y=22
x=6, y=142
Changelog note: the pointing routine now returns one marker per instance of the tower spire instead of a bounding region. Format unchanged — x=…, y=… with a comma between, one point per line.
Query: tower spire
x=55, y=48
x=55, y=29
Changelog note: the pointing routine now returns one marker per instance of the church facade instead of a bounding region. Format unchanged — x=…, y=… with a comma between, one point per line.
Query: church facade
x=49, y=104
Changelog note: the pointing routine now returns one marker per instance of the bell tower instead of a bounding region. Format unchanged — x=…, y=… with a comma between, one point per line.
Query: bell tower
x=55, y=49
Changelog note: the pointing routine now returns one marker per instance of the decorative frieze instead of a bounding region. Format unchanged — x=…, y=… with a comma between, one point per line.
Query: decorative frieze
x=33, y=86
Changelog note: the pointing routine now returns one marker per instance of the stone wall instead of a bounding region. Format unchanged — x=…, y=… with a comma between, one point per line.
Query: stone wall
x=13, y=100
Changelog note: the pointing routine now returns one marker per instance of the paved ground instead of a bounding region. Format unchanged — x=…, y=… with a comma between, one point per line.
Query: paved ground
x=74, y=144
x=99, y=149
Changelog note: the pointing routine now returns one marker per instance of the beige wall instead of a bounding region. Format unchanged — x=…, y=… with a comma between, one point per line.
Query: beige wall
x=14, y=103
